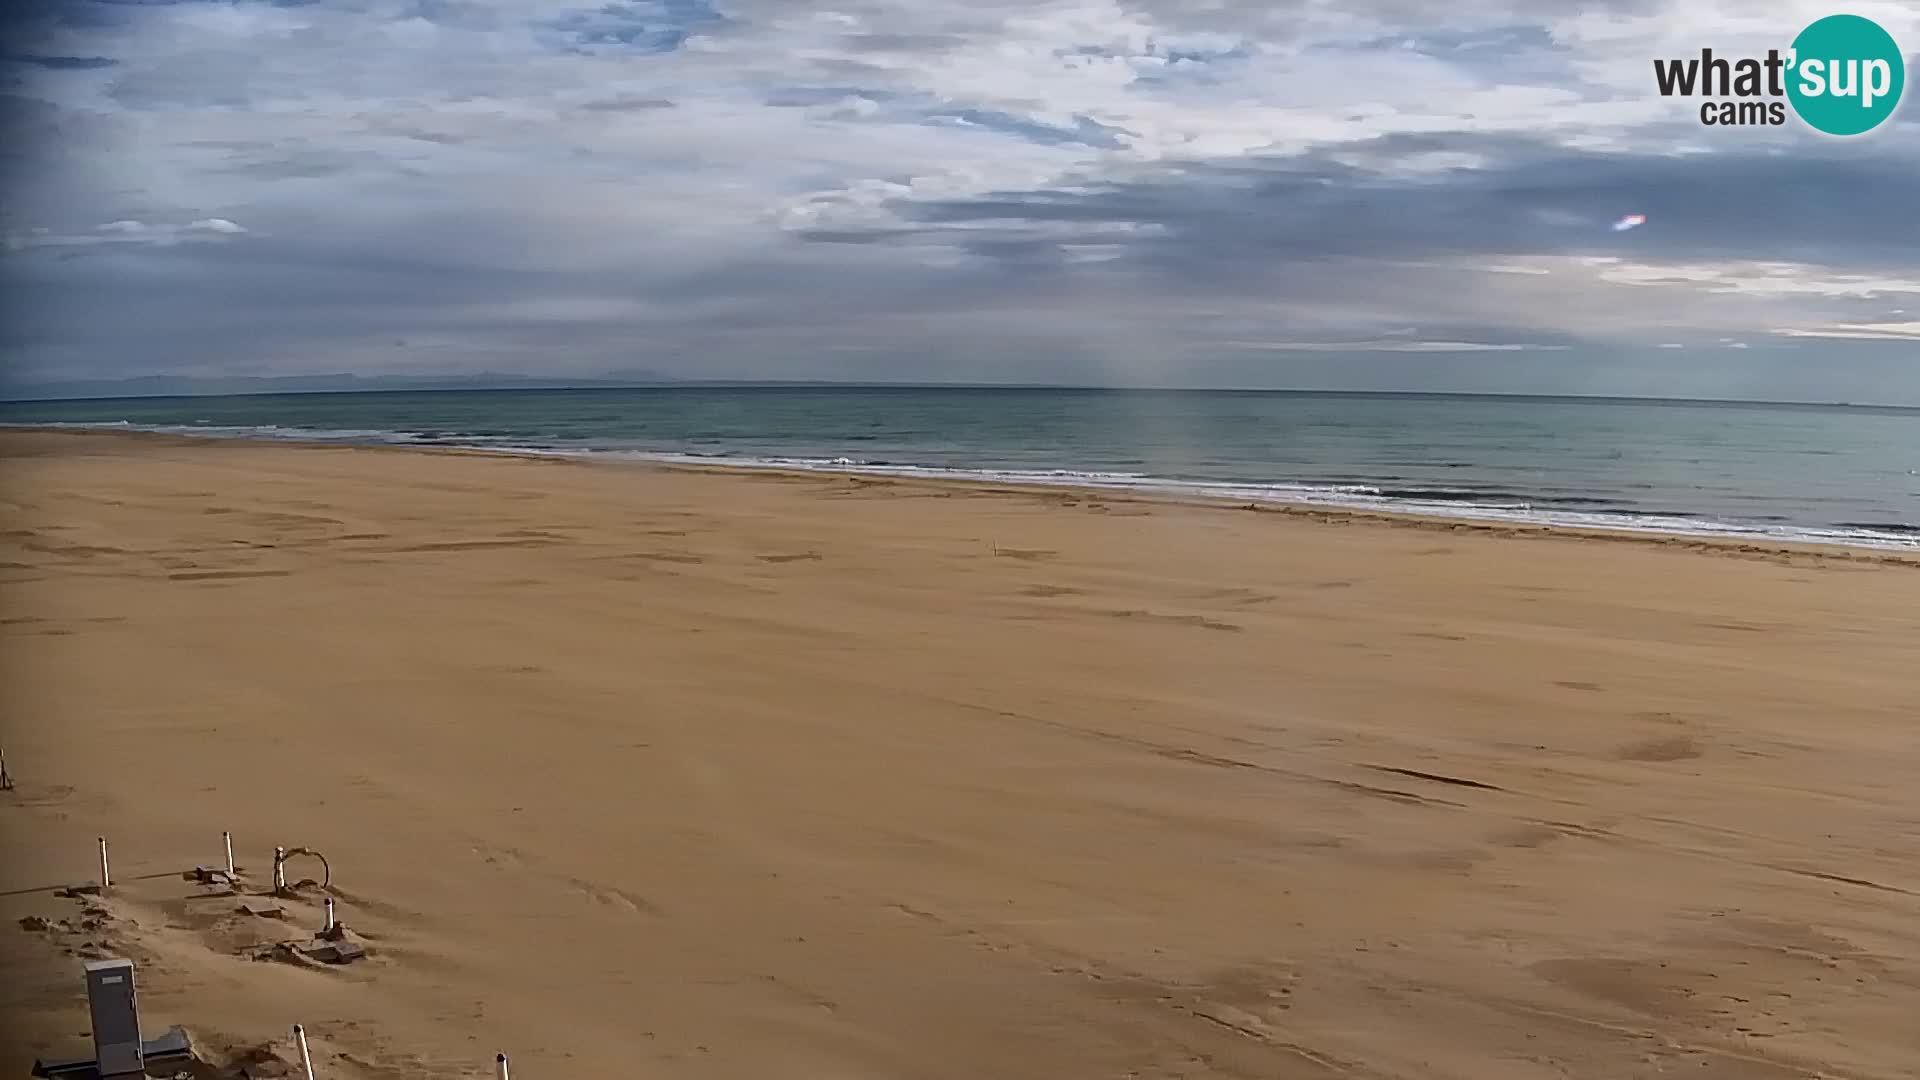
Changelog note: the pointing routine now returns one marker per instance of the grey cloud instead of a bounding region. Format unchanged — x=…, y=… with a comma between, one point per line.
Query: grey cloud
x=1142, y=191
x=626, y=103
x=285, y=164
x=62, y=63
x=1283, y=19
x=1532, y=198
x=917, y=44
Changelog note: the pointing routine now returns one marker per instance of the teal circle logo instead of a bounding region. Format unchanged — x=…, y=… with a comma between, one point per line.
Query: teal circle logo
x=1846, y=75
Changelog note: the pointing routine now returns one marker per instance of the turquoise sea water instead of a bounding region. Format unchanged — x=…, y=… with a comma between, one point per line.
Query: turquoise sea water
x=1838, y=474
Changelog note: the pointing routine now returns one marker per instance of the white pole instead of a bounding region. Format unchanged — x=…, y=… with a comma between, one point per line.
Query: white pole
x=279, y=869
x=106, y=882
x=227, y=837
x=328, y=929
x=306, y=1059
x=500, y=1067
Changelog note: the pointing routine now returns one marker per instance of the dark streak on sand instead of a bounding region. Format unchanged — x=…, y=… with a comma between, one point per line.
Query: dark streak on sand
x=1438, y=778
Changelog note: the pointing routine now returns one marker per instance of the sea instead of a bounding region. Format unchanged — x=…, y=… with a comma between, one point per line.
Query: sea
x=1832, y=474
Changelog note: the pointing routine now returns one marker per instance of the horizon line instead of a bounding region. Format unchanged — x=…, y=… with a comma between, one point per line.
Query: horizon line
x=616, y=383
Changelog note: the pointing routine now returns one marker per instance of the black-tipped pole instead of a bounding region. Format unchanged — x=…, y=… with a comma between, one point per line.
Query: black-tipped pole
x=500, y=1067
x=306, y=1059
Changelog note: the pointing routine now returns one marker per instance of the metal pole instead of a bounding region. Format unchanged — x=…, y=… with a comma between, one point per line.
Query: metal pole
x=279, y=869
x=500, y=1067
x=306, y=1059
x=227, y=838
x=106, y=881
x=328, y=929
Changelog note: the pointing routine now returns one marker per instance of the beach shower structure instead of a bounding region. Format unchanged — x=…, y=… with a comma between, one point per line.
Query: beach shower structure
x=119, y=1053
x=300, y=1042
x=224, y=877
x=281, y=856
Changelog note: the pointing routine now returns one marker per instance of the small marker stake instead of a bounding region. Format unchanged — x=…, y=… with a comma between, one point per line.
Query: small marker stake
x=328, y=928
x=279, y=869
x=306, y=1059
x=106, y=881
x=500, y=1067
x=227, y=837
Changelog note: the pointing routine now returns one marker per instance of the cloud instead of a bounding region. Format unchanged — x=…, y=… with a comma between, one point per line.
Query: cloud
x=1388, y=346
x=126, y=231
x=1113, y=190
x=60, y=63
x=1889, y=331
x=633, y=26
x=1760, y=278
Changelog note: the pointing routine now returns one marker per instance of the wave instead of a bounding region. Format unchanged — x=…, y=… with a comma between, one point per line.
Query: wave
x=1899, y=528
x=1436, y=502
x=1462, y=503
x=239, y=431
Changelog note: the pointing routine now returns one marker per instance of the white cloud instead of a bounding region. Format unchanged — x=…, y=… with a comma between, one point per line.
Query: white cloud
x=1761, y=279
x=1900, y=331
x=1387, y=345
x=125, y=231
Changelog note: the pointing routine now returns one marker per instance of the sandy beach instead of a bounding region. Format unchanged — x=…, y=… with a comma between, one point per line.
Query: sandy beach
x=661, y=773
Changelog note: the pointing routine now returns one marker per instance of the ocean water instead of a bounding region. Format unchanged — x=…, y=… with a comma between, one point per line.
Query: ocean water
x=1832, y=474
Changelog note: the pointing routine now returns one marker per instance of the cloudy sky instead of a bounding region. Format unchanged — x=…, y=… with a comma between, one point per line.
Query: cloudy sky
x=1317, y=193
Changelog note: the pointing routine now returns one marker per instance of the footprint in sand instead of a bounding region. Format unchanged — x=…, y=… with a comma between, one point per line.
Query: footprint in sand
x=1645, y=987
x=1673, y=748
x=1024, y=554
x=1178, y=620
x=615, y=898
x=1524, y=836
x=23, y=794
x=666, y=557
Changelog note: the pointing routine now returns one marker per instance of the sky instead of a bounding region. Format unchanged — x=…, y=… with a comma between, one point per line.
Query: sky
x=1350, y=194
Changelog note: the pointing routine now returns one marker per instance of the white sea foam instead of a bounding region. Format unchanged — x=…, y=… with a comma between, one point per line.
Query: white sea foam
x=1333, y=496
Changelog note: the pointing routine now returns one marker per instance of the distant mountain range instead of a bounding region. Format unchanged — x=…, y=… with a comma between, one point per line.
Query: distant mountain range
x=190, y=386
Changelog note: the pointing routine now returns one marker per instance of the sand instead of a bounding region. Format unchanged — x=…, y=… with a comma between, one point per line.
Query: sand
x=643, y=772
